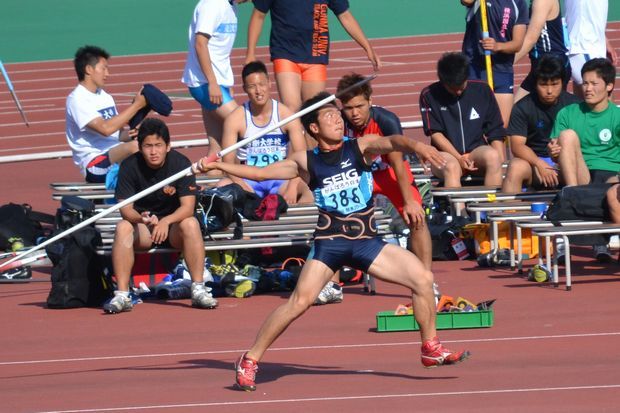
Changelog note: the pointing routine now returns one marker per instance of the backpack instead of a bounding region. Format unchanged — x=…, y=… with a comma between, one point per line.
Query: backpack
x=581, y=202
x=447, y=243
x=21, y=222
x=78, y=278
x=217, y=208
x=72, y=211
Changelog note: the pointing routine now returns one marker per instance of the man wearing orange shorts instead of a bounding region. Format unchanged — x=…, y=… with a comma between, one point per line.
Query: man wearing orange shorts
x=299, y=43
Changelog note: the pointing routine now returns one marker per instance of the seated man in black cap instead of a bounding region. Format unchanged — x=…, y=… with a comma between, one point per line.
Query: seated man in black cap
x=165, y=216
x=94, y=128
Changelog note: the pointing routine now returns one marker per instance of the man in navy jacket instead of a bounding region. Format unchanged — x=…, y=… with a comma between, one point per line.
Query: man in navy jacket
x=464, y=123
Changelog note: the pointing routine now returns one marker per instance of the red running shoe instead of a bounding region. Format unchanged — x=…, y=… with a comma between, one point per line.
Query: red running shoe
x=435, y=354
x=245, y=373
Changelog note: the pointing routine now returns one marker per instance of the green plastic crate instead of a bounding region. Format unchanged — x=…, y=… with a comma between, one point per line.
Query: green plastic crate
x=388, y=321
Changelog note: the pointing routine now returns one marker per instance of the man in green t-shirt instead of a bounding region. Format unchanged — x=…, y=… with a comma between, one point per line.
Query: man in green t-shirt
x=585, y=140
x=586, y=136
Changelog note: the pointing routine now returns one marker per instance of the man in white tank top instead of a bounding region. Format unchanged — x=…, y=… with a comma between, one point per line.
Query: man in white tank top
x=258, y=114
x=586, y=21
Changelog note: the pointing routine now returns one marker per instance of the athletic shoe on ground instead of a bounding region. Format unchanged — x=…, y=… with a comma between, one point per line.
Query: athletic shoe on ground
x=16, y=274
x=435, y=354
x=245, y=373
x=539, y=273
x=202, y=298
x=118, y=304
x=602, y=254
x=241, y=289
x=330, y=294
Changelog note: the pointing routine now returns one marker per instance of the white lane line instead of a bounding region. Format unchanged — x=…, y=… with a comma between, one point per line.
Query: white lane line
x=305, y=348
x=361, y=397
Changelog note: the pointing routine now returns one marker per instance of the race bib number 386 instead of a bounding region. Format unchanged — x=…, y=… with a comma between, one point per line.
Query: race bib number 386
x=341, y=192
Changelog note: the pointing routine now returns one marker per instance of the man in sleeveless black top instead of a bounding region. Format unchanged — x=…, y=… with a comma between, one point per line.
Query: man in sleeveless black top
x=338, y=170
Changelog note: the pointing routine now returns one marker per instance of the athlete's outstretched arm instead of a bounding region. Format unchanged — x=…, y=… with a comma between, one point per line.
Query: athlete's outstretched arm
x=379, y=145
x=286, y=169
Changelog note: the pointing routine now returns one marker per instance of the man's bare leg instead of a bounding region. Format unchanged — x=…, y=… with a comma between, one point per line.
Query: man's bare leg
x=289, y=89
x=187, y=237
x=127, y=238
x=573, y=168
x=489, y=162
x=304, y=194
x=613, y=199
x=505, y=101
x=122, y=151
x=421, y=245
x=521, y=93
x=313, y=277
x=310, y=89
x=519, y=173
x=293, y=91
x=451, y=173
x=399, y=266
x=227, y=181
x=213, y=121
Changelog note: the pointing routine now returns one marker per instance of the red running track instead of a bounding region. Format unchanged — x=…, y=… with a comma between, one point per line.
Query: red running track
x=549, y=350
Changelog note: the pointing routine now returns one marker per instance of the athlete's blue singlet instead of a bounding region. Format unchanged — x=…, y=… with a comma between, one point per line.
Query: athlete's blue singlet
x=342, y=185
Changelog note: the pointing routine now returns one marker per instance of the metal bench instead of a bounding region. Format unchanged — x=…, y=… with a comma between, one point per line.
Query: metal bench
x=449, y=191
x=98, y=191
x=485, y=202
x=492, y=207
x=543, y=223
x=567, y=231
x=206, y=180
x=290, y=229
x=511, y=217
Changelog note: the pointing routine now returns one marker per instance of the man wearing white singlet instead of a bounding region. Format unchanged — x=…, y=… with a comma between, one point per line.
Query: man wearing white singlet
x=586, y=21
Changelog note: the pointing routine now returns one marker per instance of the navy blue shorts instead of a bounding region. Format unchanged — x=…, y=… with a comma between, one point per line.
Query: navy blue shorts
x=503, y=82
x=599, y=176
x=337, y=252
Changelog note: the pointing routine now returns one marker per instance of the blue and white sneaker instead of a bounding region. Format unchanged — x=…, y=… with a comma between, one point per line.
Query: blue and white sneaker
x=119, y=303
x=202, y=297
x=330, y=294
